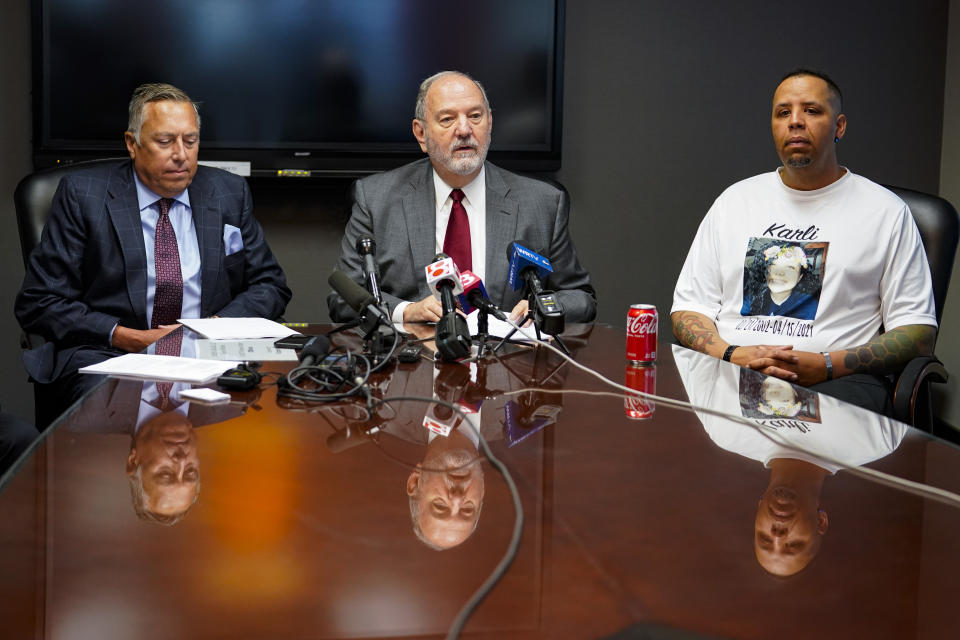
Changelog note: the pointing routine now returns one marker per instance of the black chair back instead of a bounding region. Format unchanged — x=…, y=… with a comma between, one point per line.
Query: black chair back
x=939, y=228
x=33, y=197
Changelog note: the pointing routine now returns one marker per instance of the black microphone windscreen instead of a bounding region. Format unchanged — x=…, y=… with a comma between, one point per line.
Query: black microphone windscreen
x=440, y=256
x=353, y=294
x=318, y=347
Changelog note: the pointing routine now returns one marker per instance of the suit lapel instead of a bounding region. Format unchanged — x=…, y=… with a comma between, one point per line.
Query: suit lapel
x=208, y=222
x=420, y=216
x=124, y=211
x=502, y=215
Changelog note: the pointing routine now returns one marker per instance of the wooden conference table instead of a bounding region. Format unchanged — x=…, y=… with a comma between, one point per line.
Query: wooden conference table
x=303, y=524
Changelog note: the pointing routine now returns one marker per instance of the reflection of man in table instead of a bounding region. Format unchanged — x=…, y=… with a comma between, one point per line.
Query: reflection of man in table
x=802, y=437
x=131, y=247
x=876, y=276
x=446, y=489
x=456, y=202
x=163, y=468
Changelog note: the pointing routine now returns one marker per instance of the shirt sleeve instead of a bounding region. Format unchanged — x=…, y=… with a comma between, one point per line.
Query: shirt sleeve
x=906, y=289
x=700, y=285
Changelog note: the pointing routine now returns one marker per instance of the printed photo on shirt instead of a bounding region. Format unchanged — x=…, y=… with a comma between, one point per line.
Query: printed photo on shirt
x=783, y=278
x=765, y=397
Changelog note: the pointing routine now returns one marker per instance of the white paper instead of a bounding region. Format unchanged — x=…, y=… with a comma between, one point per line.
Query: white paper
x=205, y=396
x=144, y=366
x=500, y=329
x=237, y=328
x=247, y=350
x=239, y=167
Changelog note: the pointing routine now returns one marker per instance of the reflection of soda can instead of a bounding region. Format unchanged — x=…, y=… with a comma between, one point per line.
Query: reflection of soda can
x=643, y=378
x=642, y=333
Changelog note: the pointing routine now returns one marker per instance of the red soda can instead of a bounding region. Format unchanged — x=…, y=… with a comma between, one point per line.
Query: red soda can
x=641, y=378
x=642, y=333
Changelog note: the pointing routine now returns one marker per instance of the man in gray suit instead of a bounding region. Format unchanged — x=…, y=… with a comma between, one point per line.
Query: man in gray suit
x=410, y=213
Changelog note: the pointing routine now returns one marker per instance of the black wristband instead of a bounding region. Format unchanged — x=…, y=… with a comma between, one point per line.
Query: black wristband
x=829, y=363
x=729, y=352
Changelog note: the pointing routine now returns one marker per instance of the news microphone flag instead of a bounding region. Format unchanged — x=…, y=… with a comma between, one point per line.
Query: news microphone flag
x=442, y=270
x=470, y=281
x=522, y=259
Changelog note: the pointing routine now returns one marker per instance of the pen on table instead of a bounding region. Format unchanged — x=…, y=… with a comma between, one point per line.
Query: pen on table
x=295, y=324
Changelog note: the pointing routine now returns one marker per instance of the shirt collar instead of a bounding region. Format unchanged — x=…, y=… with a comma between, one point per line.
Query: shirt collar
x=472, y=191
x=146, y=197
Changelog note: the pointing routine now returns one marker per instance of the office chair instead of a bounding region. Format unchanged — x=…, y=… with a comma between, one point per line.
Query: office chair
x=34, y=196
x=939, y=229
x=32, y=199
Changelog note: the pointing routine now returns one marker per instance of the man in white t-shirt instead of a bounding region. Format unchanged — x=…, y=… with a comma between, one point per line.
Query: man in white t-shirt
x=807, y=265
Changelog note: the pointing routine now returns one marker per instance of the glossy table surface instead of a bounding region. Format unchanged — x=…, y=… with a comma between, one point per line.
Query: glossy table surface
x=671, y=526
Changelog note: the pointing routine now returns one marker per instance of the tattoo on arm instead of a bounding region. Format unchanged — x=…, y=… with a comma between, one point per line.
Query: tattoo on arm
x=889, y=352
x=694, y=331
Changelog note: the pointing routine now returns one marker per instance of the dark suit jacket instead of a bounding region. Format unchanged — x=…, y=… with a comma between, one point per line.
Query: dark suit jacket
x=397, y=208
x=89, y=271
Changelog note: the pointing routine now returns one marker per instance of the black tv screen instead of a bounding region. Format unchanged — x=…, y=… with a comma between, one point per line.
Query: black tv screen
x=325, y=85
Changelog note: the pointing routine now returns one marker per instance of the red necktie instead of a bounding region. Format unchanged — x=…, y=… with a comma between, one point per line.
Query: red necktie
x=168, y=290
x=456, y=243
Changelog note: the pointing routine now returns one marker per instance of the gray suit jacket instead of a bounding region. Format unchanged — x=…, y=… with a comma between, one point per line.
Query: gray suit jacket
x=397, y=208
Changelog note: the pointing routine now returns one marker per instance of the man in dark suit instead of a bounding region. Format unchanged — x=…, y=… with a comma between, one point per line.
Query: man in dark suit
x=457, y=203
x=129, y=248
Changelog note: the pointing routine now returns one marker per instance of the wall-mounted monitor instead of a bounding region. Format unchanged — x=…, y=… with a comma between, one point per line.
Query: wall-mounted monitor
x=322, y=85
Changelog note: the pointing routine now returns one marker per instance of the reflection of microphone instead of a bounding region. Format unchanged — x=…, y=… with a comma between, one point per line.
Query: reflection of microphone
x=359, y=299
x=474, y=296
x=529, y=414
x=530, y=268
x=316, y=349
x=452, y=336
x=367, y=248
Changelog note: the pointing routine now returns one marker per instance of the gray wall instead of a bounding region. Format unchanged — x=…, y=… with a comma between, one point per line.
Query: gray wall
x=666, y=104
x=948, y=345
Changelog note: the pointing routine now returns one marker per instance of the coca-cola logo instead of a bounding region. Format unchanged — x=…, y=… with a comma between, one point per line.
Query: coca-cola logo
x=642, y=324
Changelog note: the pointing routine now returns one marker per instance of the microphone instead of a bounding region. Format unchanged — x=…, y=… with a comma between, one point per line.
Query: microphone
x=452, y=336
x=316, y=349
x=526, y=267
x=529, y=268
x=358, y=298
x=367, y=249
x=475, y=296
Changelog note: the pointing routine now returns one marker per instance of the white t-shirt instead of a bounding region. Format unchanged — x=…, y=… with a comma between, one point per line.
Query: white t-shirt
x=816, y=427
x=820, y=270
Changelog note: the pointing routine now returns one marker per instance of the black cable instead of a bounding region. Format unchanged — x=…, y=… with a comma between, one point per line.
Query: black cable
x=484, y=589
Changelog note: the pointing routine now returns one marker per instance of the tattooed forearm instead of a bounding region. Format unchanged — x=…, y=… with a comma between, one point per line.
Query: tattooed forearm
x=889, y=352
x=694, y=330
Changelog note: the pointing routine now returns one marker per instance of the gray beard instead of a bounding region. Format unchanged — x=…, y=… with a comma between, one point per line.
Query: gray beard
x=799, y=163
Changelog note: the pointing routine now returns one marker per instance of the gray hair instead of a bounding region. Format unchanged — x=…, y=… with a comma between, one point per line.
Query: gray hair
x=154, y=92
x=420, y=108
x=139, y=498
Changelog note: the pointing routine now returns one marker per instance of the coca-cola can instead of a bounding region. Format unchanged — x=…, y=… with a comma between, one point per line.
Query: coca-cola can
x=641, y=378
x=641, y=333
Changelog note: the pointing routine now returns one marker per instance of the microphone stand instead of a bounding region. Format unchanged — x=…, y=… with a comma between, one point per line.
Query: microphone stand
x=483, y=333
x=377, y=339
x=537, y=322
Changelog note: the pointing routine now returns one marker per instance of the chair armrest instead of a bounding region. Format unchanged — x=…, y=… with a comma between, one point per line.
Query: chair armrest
x=30, y=341
x=910, y=392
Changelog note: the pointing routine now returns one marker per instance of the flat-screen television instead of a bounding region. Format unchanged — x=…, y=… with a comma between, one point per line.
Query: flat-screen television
x=319, y=85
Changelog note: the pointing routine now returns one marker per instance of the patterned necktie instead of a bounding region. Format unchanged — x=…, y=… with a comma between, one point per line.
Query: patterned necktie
x=168, y=291
x=456, y=243
x=168, y=345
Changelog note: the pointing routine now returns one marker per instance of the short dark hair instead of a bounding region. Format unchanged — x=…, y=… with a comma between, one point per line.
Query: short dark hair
x=803, y=71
